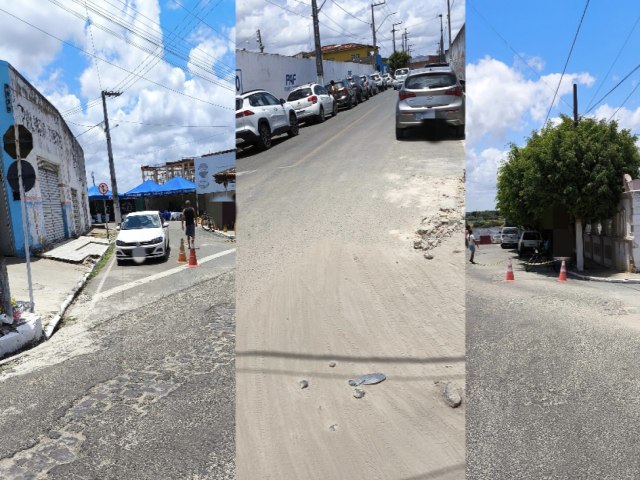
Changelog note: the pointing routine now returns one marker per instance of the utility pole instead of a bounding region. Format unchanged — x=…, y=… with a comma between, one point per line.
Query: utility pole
x=449, y=21
x=575, y=104
x=373, y=28
x=93, y=178
x=112, y=168
x=316, y=35
x=404, y=40
x=441, y=40
x=260, y=41
x=393, y=32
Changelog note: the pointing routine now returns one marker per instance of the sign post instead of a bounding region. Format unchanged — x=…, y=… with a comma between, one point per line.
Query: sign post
x=22, y=140
x=103, y=188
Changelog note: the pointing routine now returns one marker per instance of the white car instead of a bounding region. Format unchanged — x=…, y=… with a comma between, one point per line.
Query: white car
x=312, y=101
x=398, y=78
x=509, y=237
x=142, y=235
x=260, y=116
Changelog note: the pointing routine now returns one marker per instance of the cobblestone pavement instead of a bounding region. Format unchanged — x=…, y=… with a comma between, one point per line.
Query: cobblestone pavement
x=169, y=375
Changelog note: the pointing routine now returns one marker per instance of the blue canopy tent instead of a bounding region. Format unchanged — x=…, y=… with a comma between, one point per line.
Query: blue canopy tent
x=148, y=188
x=177, y=186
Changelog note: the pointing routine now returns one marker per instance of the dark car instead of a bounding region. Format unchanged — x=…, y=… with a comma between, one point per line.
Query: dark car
x=369, y=84
x=344, y=94
x=362, y=93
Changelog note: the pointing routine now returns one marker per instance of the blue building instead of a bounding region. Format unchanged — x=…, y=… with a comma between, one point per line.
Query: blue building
x=57, y=206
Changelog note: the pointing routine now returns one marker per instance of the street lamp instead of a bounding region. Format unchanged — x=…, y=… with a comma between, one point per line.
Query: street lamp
x=378, y=29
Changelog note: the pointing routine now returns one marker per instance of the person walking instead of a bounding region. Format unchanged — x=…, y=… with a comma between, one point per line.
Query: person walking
x=472, y=245
x=188, y=224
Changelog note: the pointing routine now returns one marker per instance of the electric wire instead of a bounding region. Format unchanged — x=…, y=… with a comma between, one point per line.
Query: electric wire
x=566, y=63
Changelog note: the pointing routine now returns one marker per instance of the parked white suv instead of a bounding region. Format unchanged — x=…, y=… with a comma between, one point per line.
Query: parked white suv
x=509, y=237
x=312, y=101
x=260, y=116
x=529, y=240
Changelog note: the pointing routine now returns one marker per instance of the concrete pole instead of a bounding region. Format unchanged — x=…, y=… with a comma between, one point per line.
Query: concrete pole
x=449, y=22
x=579, y=246
x=112, y=168
x=318, y=45
x=5, y=291
x=25, y=221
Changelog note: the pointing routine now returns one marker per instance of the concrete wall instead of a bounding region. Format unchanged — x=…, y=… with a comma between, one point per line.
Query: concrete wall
x=456, y=54
x=54, y=144
x=279, y=74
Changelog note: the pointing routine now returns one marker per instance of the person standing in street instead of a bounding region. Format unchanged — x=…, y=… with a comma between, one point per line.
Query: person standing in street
x=188, y=223
x=471, y=245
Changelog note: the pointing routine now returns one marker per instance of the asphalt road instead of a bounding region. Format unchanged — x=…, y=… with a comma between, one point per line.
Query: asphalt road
x=137, y=384
x=327, y=271
x=552, y=375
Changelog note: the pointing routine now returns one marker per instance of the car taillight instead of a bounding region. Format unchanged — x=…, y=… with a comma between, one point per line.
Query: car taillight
x=405, y=94
x=245, y=113
x=313, y=99
x=454, y=91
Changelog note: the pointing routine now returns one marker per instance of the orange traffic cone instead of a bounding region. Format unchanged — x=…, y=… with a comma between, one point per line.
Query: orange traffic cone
x=510, y=277
x=193, y=262
x=182, y=256
x=563, y=272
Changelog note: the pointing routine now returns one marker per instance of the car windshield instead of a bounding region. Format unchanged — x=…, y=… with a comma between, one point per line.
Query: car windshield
x=134, y=222
x=509, y=231
x=339, y=84
x=298, y=94
x=430, y=80
x=402, y=71
x=239, y=103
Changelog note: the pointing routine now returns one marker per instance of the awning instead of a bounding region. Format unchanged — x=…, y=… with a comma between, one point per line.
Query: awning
x=148, y=188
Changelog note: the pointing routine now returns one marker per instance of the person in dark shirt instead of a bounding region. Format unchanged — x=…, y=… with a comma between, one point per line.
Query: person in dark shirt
x=189, y=224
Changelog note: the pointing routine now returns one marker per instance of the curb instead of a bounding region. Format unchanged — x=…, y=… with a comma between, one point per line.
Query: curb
x=28, y=332
x=603, y=279
x=74, y=293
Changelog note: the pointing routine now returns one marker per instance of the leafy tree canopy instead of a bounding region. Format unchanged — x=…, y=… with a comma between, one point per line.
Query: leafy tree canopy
x=578, y=168
x=398, y=60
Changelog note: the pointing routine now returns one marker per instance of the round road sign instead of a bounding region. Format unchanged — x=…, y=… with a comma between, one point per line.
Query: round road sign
x=28, y=176
x=103, y=188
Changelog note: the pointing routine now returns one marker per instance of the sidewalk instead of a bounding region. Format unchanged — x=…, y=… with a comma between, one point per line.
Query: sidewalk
x=602, y=274
x=57, y=276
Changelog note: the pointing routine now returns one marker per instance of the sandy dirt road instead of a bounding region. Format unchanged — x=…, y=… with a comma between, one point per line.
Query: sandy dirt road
x=328, y=273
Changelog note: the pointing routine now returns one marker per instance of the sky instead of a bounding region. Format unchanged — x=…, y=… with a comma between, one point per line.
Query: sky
x=516, y=53
x=179, y=103
x=286, y=26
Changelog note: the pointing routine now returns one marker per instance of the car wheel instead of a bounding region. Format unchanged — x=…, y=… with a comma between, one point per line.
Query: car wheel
x=295, y=128
x=321, y=115
x=399, y=133
x=460, y=131
x=335, y=110
x=264, y=138
x=119, y=262
x=350, y=106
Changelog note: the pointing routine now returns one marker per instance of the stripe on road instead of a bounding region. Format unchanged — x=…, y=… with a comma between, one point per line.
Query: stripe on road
x=157, y=276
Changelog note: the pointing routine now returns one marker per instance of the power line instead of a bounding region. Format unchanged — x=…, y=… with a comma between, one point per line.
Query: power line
x=625, y=101
x=524, y=61
x=575, y=37
x=616, y=86
x=347, y=12
x=614, y=62
x=111, y=63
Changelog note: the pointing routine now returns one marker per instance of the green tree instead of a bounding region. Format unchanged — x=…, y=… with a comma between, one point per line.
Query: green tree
x=398, y=60
x=579, y=169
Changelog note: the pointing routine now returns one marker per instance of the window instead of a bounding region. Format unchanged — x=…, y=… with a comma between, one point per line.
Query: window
x=355, y=56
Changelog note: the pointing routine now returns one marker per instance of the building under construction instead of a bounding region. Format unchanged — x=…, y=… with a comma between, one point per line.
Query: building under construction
x=162, y=173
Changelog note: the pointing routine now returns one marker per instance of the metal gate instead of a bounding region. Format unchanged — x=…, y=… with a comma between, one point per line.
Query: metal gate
x=76, y=210
x=51, y=203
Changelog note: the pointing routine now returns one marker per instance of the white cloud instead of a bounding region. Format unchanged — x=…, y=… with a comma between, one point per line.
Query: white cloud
x=501, y=99
x=287, y=29
x=38, y=56
x=482, y=169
